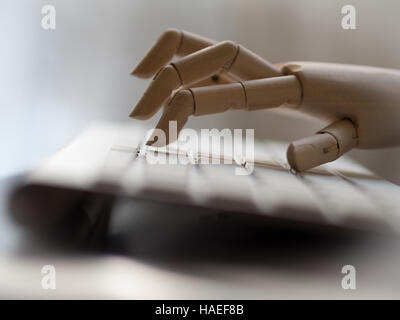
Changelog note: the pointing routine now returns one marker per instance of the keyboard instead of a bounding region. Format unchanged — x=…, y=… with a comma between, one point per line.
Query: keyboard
x=112, y=159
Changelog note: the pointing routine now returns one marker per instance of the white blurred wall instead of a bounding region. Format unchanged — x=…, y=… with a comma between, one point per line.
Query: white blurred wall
x=53, y=83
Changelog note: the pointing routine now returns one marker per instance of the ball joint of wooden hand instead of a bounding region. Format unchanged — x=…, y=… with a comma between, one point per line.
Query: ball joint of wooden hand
x=359, y=104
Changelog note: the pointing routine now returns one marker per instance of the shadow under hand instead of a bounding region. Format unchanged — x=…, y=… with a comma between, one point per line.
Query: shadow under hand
x=194, y=240
x=187, y=239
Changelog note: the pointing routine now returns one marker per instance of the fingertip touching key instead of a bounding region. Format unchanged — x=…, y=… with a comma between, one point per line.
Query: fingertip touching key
x=179, y=109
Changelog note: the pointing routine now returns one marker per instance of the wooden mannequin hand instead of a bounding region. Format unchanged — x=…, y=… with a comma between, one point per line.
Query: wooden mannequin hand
x=360, y=104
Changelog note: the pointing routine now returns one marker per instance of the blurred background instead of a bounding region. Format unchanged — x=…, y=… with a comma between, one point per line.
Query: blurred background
x=54, y=83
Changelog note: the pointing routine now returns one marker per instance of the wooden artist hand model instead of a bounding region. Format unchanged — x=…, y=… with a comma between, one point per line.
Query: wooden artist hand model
x=360, y=104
